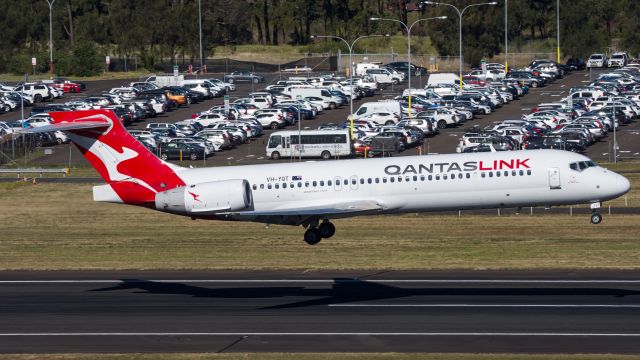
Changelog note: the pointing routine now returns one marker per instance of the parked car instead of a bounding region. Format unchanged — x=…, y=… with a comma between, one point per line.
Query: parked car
x=243, y=76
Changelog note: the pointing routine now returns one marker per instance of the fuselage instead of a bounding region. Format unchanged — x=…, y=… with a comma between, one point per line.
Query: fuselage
x=424, y=183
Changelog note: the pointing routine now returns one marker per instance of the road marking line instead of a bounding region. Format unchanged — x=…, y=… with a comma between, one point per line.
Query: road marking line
x=434, y=281
x=492, y=305
x=321, y=334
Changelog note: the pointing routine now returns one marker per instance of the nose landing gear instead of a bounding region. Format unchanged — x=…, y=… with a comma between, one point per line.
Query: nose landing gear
x=596, y=218
x=314, y=234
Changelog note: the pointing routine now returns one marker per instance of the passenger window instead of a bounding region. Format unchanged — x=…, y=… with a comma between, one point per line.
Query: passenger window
x=444, y=177
x=392, y=179
x=513, y=173
x=345, y=182
x=314, y=184
x=306, y=184
x=438, y=177
x=299, y=184
x=329, y=182
x=261, y=186
x=430, y=177
x=321, y=182
x=255, y=187
x=284, y=185
x=521, y=172
x=490, y=174
x=421, y=177
x=384, y=180
x=354, y=181
x=269, y=186
x=377, y=180
x=277, y=186
x=468, y=176
x=528, y=172
x=460, y=176
x=408, y=178
x=361, y=181
x=506, y=173
x=399, y=178
x=369, y=181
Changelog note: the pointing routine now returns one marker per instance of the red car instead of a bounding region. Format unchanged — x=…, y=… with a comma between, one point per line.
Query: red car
x=67, y=86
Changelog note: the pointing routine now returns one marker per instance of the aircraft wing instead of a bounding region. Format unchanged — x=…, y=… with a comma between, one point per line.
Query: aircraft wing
x=336, y=208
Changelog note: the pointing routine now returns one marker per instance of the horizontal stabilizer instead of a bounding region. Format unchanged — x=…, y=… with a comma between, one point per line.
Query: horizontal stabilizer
x=67, y=126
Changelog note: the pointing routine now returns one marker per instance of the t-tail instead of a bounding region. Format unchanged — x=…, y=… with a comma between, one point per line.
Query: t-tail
x=133, y=174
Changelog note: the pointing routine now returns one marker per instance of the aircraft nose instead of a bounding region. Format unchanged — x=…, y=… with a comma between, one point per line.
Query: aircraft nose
x=623, y=185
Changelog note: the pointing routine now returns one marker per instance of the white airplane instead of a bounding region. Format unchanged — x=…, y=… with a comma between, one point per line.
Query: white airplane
x=313, y=193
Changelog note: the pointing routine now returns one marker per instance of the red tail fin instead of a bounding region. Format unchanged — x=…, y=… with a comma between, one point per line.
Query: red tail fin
x=134, y=175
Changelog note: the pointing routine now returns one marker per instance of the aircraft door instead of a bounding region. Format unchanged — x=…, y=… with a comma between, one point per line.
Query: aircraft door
x=337, y=183
x=554, y=178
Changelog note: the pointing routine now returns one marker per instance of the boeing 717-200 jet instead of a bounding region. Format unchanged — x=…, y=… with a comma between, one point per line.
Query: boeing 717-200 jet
x=312, y=193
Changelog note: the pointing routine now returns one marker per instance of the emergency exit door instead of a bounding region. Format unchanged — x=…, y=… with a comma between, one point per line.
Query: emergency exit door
x=554, y=178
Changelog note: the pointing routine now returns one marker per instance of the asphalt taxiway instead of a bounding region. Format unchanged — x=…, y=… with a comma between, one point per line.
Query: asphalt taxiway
x=231, y=311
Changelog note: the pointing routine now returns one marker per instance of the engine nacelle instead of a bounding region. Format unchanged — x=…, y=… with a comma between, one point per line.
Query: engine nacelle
x=206, y=198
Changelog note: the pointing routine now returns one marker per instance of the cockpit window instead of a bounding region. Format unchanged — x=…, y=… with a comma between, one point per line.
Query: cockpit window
x=581, y=165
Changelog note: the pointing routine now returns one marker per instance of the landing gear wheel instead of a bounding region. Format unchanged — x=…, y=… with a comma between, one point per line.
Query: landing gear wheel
x=326, y=229
x=596, y=218
x=312, y=236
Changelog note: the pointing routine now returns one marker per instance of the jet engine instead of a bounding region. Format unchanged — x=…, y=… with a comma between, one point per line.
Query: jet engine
x=206, y=198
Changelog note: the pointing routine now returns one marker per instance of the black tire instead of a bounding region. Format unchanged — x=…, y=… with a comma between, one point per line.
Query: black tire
x=164, y=156
x=390, y=122
x=231, y=80
x=312, y=236
x=37, y=98
x=596, y=218
x=6, y=108
x=332, y=105
x=275, y=155
x=274, y=125
x=193, y=156
x=59, y=141
x=325, y=155
x=534, y=84
x=326, y=230
x=442, y=124
x=256, y=80
x=395, y=81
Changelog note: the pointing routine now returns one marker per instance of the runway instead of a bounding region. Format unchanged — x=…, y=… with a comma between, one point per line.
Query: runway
x=228, y=311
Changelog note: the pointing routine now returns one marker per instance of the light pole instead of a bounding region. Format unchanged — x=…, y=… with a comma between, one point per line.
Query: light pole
x=50, y=2
x=350, y=46
x=200, y=32
x=460, y=13
x=558, y=27
x=506, y=37
x=408, y=28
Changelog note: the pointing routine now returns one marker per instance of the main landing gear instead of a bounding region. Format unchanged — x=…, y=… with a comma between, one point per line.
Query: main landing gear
x=315, y=233
x=596, y=218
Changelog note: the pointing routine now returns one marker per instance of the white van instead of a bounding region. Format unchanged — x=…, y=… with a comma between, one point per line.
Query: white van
x=323, y=93
x=368, y=108
x=361, y=68
x=444, y=78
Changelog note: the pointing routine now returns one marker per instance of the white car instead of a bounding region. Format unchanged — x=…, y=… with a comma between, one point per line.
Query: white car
x=271, y=120
x=221, y=137
x=383, y=118
x=209, y=119
x=596, y=60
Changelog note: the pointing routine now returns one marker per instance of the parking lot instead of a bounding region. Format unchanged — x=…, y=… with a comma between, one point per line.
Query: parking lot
x=445, y=142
